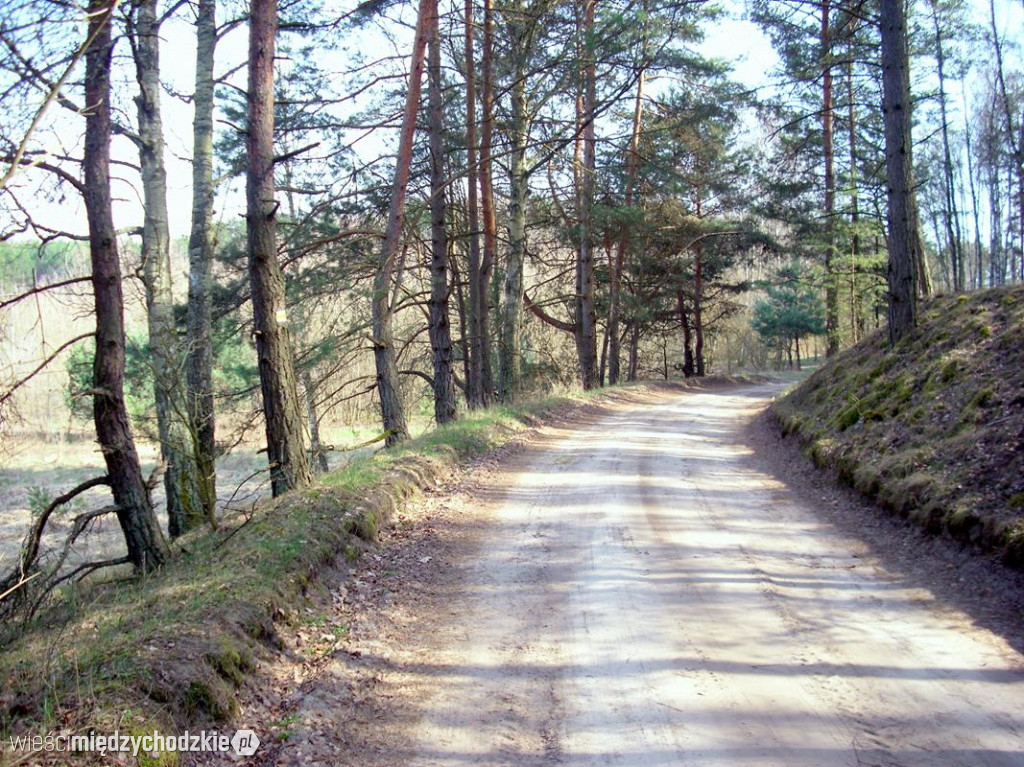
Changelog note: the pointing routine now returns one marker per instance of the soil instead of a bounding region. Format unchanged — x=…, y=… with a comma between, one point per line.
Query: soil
x=652, y=583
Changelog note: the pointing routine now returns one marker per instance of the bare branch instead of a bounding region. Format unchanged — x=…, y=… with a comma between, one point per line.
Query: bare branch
x=42, y=289
x=10, y=392
x=50, y=98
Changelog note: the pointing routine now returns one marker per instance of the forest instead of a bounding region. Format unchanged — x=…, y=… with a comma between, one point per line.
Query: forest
x=230, y=221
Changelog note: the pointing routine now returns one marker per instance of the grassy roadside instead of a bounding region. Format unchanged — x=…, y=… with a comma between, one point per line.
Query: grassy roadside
x=173, y=651
x=932, y=429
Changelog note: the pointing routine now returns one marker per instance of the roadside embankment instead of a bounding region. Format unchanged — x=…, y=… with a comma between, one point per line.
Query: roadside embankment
x=933, y=428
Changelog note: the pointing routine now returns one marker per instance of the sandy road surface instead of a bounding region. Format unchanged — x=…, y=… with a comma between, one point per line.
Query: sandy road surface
x=644, y=593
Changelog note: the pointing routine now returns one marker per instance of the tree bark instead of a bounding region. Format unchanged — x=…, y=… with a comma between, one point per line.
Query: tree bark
x=184, y=510
x=904, y=239
x=490, y=226
x=282, y=408
x=698, y=314
x=316, y=447
x=200, y=259
x=828, y=143
x=951, y=214
x=855, y=316
x=391, y=408
x=978, y=278
x=477, y=290
x=510, y=348
x=586, y=317
x=146, y=548
x=615, y=281
x=684, y=323
x=634, y=352
x=440, y=326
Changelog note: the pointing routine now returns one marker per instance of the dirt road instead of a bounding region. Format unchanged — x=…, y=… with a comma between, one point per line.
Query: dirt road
x=644, y=592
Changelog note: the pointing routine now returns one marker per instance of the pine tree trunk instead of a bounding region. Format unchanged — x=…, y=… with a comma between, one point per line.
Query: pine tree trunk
x=440, y=327
x=456, y=288
x=698, y=314
x=200, y=258
x=684, y=324
x=904, y=240
x=615, y=280
x=477, y=289
x=510, y=348
x=282, y=409
x=184, y=510
x=634, y=352
x=490, y=226
x=146, y=548
x=316, y=448
x=951, y=214
x=586, y=318
x=979, y=271
x=855, y=319
x=391, y=408
x=828, y=143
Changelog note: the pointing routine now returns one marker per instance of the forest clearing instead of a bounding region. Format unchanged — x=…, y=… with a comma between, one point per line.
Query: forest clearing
x=477, y=382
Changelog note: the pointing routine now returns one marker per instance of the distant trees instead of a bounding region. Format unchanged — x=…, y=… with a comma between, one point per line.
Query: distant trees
x=791, y=312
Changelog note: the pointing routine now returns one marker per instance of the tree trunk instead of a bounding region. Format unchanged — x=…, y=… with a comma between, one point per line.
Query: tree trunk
x=855, y=322
x=586, y=318
x=456, y=286
x=477, y=290
x=684, y=323
x=615, y=280
x=996, y=272
x=490, y=226
x=200, y=258
x=282, y=409
x=698, y=301
x=828, y=143
x=316, y=448
x=440, y=328
x=1014, y=139
x=510, y=348
x=146, y=548
x=904, y=240
x=634, y=352
x=978, y=271
x=698, y=314
x=391, y=409
x=184, y=510
x=951, y=214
